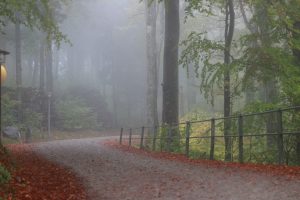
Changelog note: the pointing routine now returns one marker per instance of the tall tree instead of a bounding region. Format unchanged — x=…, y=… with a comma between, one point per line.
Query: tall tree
x=152, y=68
x=199, y=49
x=18, y=65
x=170, y=71
x=229, y=30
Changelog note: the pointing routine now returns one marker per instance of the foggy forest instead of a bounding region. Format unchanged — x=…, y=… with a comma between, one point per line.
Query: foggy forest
x=215, y=82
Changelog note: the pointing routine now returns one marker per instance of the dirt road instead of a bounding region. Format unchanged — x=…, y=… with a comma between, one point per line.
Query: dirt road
x=110, y=173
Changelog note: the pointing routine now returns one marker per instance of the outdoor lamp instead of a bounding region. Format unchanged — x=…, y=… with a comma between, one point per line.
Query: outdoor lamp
x=2, y=62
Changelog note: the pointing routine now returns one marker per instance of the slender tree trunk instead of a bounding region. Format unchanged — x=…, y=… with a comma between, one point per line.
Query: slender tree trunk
x=170, y=72
x=181, y=101
x=18, y=67
x=114, y=96
x=56, y=64
x=250, y=93
x=229, y=30
x=35, y=72
x=49, y=84
x=71, y=73
x=42, y=83
x=296, y=35
x=49, y=68
x=42, y=67
x=152, y=72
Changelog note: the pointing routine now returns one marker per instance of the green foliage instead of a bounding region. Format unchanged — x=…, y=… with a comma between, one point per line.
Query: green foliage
x=269, y=52
x=171, y=144
x=33, y=14
x=200, y=51
x=75, y=114
x=31, y=119
x=4, y=175
x=202, y=6
x=8, y=111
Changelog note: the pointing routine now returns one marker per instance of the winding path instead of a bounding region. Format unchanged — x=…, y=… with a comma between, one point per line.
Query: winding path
x=110, y=173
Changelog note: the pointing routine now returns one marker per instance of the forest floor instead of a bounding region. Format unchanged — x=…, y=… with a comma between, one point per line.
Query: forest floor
x=110, y=171
x=36, y=178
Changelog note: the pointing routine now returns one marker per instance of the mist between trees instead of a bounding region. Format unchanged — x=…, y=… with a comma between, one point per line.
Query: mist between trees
x=127, y=63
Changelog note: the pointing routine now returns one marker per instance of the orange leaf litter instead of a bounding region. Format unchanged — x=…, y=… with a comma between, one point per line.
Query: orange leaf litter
x=38, y=179
x=290, y=172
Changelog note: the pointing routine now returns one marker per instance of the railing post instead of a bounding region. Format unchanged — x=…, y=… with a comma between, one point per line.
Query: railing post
x=241, y=138
x=142, y=138
x=280, y=137
x=130, y=134
x=154, y=138
x=212, y=139
x=187, y=138
x=121, y=135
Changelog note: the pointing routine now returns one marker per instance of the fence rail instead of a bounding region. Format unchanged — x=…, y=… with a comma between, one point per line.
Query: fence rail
x=267, y=137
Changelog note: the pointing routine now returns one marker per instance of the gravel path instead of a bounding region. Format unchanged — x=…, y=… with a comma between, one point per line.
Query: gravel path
x=112, y=174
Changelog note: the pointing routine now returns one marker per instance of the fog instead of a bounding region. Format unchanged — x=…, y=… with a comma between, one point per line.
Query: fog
x=105, y=53
x=97, y=76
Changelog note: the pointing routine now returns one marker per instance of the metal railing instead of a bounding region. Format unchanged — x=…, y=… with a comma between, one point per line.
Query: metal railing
x=272, y=136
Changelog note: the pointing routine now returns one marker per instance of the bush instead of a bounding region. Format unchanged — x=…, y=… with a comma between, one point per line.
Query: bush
x=8, y=111
x=4, y=175
x=75, y=114
x=9, y=108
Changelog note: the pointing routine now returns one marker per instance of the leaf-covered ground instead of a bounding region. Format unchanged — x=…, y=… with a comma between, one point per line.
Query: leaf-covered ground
x=38, y=179
x=290, y=172
x=110, y=171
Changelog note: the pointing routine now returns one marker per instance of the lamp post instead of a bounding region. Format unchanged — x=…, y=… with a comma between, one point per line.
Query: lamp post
x=49, y=114
x=3, y=77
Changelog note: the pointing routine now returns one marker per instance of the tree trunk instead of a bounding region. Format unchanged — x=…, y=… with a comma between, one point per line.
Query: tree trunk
x=229, y=30
x=270, y=86
x=18, y=67
x=296, y=53
x=271, y=94
x=170, y=72
x=115, y=104
x=253, y=28
x=152, y=72
x=49, y=69
x=296, y=36
x=49, y=84
x=35, y=72
x=43, y=99
x=42, y=67
x=56, y=64
x=181, y=101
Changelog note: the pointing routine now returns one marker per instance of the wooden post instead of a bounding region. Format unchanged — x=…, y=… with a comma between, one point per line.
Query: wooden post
x=154, y=138
x=130, y=134
x=212, y=139
x=187, y=138
x=121, y=135
x=241, y=138
x=280, y=137
x=142, y=138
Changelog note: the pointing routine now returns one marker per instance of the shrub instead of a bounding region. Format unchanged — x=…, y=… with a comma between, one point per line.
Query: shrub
x=8, y=111
x=75, y=114
x=4, y=175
